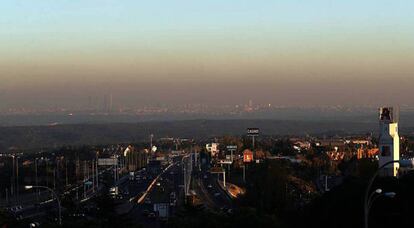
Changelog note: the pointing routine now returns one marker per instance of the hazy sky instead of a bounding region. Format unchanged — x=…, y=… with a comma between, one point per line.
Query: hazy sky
x=206, y=51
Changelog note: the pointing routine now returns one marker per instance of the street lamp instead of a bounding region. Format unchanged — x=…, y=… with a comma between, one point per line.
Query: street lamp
x=28, y=187
x=367, y=198
x=376, y=194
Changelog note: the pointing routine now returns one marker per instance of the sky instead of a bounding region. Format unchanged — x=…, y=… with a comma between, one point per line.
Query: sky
x=60, y=52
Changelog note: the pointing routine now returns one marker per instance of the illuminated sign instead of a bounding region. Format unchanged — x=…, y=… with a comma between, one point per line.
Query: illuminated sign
x=247, y=156
x=232, y=147
x=253, y=131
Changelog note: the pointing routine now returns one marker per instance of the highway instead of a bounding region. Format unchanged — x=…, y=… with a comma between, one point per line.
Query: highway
x=31, y=205
x=210, y=192
x=170, y=180
x=138, y=193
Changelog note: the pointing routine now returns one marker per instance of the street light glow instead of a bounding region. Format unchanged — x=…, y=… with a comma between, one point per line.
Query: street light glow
x=27, y=187
x=390, y=194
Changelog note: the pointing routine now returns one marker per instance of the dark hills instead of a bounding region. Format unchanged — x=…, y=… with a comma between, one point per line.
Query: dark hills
x=26, y=137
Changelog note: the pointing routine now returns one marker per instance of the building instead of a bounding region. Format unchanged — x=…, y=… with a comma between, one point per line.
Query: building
x=389, y=140
x=213, y=149
x=247, y=156
x=367, y=153
x=340, y=143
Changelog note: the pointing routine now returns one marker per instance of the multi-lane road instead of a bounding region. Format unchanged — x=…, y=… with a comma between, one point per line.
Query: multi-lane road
x=168, y=182
x=209, y=192
x=139, y=192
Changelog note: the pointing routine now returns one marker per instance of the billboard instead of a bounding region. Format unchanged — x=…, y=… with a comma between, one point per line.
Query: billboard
x=253, y=131
x=231, y=147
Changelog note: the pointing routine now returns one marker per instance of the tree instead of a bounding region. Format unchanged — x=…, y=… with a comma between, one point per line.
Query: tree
x=6, y=220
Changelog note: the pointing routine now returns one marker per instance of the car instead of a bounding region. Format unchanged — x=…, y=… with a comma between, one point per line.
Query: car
x=16, y=208
x=217, y=194
x=158, y=184
x=209, y=186
x=34, y=224
x=205, y=176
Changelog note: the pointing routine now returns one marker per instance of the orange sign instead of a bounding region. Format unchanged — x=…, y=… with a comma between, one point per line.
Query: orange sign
x=248, y=156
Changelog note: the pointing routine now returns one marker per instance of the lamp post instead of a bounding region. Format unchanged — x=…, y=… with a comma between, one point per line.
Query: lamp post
x=186, y=169
x=27, y=187
x=374, y=196
x=403, y=163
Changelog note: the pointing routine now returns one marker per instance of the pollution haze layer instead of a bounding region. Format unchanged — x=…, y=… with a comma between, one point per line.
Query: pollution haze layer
x=242, y=112
x=59, y=53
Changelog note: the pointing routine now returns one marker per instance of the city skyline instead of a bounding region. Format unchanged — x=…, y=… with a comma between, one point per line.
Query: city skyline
x=176, y=52
x=209, y=113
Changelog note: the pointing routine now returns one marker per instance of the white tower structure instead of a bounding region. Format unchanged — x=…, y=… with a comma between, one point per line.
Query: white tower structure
x=389, y=140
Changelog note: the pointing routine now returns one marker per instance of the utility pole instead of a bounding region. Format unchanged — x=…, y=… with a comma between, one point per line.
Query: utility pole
x=185, y=185
x=13, y=181
x=84, y=179
x=17, y=179
x=37, y=182
x=54, y=178
x=244, y=173
x=58, y=165
x=93, y=176
x=47, y=173
x=115, y=171
x=77, y=169
x=151, y=137
x=7, y=196
x=66, y=171
x=97, y=176
x=11, y=186
x=224, y=178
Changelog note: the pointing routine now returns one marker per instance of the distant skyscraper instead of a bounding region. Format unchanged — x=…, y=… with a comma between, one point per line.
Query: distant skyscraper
x=105, y=103
x=389, y=140
x=110, y=102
